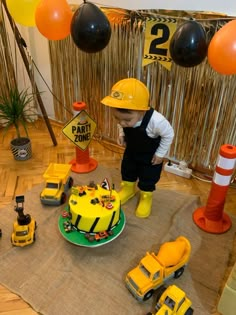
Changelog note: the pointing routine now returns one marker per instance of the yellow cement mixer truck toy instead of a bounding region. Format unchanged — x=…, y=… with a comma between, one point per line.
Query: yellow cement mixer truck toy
x=155, y=269
x=57, y=184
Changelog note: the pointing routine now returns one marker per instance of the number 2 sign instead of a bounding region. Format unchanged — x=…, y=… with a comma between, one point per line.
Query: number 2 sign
x=158, y=33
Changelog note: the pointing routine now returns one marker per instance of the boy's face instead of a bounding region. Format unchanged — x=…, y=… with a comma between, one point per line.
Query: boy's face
x=127, y=119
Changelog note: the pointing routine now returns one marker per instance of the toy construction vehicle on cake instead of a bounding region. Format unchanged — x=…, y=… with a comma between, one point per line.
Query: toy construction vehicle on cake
x=154, y=269
x=57, y=184
x=24, y=228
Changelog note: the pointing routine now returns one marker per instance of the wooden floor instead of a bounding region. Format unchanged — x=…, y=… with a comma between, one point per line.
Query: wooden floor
x=16, y=177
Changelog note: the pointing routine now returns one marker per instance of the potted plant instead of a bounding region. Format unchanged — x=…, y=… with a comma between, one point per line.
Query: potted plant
x=15, y=111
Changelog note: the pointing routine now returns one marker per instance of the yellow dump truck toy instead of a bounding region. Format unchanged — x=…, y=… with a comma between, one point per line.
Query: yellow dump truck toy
x=57, y=183
x=154, y=269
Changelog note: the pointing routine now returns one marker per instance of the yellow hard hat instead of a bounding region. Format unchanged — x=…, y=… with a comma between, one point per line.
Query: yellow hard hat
x=129, y=94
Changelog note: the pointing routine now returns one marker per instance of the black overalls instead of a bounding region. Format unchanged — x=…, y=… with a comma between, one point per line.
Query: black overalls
x=140, y=148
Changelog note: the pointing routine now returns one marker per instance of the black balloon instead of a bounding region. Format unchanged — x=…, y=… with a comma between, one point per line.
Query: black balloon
x=90, y=28
x=188, y=45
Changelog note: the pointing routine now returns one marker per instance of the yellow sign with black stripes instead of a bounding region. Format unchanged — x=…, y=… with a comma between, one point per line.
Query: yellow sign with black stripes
x=158, y=33
x=80, y=130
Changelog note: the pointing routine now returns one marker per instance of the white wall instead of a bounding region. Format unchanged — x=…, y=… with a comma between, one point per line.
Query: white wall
x=227, y=7
x=38, y=44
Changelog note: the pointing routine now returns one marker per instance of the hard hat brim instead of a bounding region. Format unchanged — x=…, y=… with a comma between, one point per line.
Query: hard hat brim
x=115, y=103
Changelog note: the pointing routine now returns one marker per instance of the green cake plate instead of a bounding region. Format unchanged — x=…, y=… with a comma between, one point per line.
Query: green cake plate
x=80, y=238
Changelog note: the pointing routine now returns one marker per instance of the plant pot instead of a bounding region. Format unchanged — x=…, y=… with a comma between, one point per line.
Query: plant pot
x=21, y=149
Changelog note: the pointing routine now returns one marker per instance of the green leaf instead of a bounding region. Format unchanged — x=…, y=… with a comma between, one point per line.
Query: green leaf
x=14, y=110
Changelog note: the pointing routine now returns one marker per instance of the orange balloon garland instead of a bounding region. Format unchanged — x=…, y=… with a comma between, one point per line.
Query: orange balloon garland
x=222, y=49
x=53, y=19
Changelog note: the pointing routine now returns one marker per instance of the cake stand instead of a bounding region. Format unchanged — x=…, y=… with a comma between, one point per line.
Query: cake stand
x=79, y=238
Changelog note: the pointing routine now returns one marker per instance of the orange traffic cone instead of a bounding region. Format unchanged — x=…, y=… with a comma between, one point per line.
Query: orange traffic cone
x=212, y=218
x=82, y=163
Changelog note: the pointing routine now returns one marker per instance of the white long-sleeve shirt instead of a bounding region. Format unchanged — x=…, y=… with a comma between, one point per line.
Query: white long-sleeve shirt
x=157, y=126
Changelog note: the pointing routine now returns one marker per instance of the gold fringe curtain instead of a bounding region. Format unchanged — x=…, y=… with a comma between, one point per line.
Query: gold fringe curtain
x=200, y=104
x=9, y=63
x=8, y=79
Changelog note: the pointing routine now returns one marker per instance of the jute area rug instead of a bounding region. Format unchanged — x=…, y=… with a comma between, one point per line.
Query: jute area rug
x=57, y=277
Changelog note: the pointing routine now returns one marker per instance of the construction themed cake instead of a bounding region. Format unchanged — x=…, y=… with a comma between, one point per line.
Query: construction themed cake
x=93, y=208
x=93, y=215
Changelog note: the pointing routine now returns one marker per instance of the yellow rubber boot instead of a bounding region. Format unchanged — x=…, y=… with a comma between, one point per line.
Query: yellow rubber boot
x=127, y=191
x=145, y=204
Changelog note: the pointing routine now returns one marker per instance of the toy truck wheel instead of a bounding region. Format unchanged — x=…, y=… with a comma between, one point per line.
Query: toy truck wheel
x=63, y=198
x=70, y=182
x=179, y=272
x=148, y=295
x=189, y=311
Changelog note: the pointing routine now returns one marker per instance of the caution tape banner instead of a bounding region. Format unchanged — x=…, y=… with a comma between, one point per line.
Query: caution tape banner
x=158, y=33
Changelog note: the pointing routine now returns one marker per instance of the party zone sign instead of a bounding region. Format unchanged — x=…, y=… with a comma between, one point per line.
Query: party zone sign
x=80, y=129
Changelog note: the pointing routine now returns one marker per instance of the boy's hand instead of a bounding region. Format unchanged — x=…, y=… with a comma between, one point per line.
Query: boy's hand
x=121, y=141
x=156, y=160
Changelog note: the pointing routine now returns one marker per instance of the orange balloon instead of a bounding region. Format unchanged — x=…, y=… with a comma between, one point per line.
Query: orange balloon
x=222, y=49
x=53, y=19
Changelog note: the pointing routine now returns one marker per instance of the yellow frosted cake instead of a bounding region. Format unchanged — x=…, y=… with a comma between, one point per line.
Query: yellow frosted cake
x=94, y=209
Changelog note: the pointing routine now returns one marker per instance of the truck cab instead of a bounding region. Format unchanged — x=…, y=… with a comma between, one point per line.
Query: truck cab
x=53, y=188
x=148, y=271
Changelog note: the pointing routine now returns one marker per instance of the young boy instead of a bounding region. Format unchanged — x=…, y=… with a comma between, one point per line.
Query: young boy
x=147, y=136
